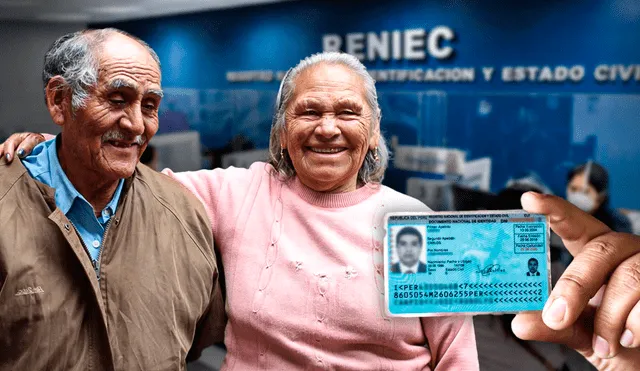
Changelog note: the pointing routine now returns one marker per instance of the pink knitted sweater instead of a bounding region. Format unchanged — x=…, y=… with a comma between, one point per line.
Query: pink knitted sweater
x=304, y=278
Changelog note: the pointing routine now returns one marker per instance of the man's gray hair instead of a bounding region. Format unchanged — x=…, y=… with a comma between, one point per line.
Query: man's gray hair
x=75, y=57
x=372, y=170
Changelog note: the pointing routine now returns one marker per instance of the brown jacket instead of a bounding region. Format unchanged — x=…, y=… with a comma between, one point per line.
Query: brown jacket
x=157, y=300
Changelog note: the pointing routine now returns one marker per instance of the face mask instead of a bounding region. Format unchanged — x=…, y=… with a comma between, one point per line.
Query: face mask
x=581, y=200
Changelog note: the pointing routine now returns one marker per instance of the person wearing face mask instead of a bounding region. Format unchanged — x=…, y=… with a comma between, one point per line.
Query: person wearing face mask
x=587, y=188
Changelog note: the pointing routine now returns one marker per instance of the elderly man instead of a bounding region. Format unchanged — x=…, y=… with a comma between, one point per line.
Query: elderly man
x=103, y=264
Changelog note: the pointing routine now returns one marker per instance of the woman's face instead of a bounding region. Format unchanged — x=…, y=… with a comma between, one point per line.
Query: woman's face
x=328, y=128
x=587, y=198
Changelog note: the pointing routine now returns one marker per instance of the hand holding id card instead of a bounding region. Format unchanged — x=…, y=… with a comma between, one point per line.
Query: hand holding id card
x=445, y=263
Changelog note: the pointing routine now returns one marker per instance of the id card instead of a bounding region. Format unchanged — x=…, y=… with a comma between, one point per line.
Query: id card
x=480, y=262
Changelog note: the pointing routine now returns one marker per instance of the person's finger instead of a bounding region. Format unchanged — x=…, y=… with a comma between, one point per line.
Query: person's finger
x=596, y=249
x=620, y=296
x=27, y=145
x=529, y=326
x=627, y=359
x=583, y=278
x=631, y=335
x=573, y=225
x=11, y=144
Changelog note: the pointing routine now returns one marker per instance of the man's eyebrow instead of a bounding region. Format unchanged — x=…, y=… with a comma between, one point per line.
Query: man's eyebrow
x=120, y=83
x=157, y=92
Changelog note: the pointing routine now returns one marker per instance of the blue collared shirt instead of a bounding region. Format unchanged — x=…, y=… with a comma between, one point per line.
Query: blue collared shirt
x=44, y=166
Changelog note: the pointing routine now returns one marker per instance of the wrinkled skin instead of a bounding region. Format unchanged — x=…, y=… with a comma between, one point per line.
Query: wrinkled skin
x=328, y=113
x=103, y=140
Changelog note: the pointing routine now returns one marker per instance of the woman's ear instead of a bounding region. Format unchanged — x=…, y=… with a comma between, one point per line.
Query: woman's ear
x=283, y=139
x=374, y=140
x=58, y=96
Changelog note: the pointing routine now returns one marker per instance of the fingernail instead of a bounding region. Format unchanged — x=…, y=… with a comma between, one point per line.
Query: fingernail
x=627, y=339
x=601, y=347
x=8, y=156
x=20, y=152
x=554, y=314
x=531, y=195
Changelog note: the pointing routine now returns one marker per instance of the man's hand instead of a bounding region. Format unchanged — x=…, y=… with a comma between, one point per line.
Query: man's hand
x=21, y=144
x=604, y=328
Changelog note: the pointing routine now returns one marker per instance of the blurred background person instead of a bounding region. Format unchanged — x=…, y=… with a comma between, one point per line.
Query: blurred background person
x=588, y=189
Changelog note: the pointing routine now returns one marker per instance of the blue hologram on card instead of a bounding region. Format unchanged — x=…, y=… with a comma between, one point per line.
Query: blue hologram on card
x=444, y=263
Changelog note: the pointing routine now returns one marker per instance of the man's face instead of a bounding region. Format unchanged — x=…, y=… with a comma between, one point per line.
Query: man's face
x=409, y=249
x=533, y=266
x=108, y=135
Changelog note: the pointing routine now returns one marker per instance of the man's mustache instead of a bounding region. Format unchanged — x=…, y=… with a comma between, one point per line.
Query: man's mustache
x=118, y=135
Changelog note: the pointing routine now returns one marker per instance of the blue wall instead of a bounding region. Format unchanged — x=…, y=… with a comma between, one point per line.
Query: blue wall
x=197, y=49
x=546, y=128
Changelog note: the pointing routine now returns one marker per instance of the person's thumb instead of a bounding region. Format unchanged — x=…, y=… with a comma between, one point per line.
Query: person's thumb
x=578, y=336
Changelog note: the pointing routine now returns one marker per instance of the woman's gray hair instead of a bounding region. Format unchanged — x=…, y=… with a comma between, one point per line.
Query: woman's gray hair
x=74, y=57
x=372, y=170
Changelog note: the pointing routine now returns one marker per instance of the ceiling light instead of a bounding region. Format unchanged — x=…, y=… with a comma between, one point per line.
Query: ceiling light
x=15, y=3
x=115, y=10
x=64, y=17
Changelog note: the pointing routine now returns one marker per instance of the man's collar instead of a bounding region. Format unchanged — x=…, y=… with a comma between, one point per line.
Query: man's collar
x=66, y=193
x=413, y=268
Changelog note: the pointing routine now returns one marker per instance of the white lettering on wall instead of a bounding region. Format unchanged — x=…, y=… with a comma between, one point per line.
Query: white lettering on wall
x=412, y=44
x=429, y=75
x=434, y=44
x=355, y=45
x=626, y=74
x=378, y=46
x=604, y=72
x=542, y=74
x=487, y=72
x=331, y=43
x=397, y=51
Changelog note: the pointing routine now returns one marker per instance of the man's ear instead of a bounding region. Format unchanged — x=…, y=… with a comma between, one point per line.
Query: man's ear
x=58, y=96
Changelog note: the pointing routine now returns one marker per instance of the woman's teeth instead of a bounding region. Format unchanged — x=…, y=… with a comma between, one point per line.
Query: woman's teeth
x=326, y=150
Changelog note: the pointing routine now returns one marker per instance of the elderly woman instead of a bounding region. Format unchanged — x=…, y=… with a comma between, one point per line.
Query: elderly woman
x=301, y=238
